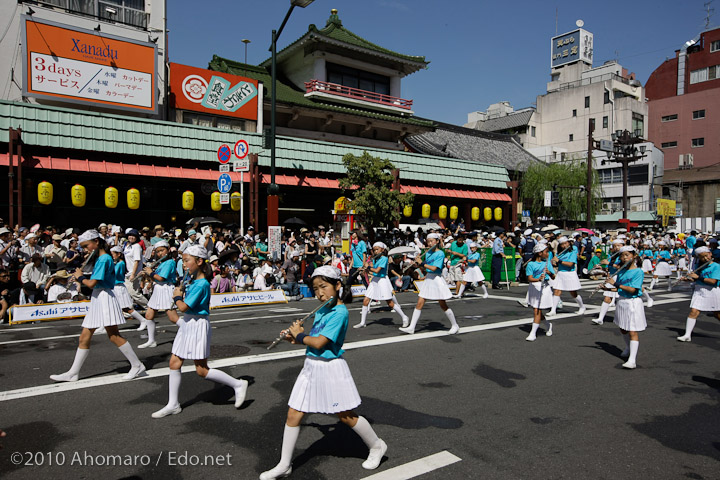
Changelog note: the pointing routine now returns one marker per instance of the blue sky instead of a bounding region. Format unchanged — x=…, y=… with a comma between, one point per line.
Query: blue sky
x=480, y=52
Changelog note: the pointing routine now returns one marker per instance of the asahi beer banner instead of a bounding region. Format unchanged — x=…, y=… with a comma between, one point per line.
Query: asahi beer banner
x=239, y=299
x=48, y=311
x=65, y=63
x=358, y=291
x=207, y=91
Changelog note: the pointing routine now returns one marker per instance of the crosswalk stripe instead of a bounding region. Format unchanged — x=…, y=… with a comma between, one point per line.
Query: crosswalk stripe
x=417, y=467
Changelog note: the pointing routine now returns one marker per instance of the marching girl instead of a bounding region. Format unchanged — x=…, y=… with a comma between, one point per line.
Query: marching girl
x=706, y=297
x=192, y=341
x=539, y=272
x=120, y=290
x=680, y=255
x=434, y=286
x=473, y=273
x=325, y=384
x=662, y=267
x=162, y=295
x=610, y=293
x=104, y=310
x=647, y=255
x=380, y=287
x=630, y=312
x=566, y=279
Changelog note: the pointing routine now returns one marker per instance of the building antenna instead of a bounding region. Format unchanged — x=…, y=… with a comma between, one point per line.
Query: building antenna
x=556, y=21
x=709, y=12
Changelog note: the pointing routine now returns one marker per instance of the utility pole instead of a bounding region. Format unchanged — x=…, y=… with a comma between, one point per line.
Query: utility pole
x=591, y=143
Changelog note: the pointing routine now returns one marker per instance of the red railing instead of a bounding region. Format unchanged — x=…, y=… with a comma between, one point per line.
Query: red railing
x=357, y=94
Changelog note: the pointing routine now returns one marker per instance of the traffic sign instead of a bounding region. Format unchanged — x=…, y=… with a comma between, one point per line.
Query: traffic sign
x=224, y=168
x=224, y=153
x=241, y=149
x=241, y=165
x=548, y=198
x=224, y=183
x=606, y=145
x=224, y=198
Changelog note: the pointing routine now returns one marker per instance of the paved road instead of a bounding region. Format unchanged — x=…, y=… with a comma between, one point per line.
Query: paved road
x=561, y=407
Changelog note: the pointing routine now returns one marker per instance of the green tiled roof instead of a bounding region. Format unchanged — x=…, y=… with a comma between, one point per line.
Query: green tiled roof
x=290, y=95
x=116, y=134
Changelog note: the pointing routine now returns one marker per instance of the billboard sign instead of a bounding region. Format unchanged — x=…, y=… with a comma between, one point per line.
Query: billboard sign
x=571, y=47
x=216, y=93
x=64, y=63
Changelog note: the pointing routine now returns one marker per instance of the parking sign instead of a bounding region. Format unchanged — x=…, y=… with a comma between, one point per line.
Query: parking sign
x=224, y=183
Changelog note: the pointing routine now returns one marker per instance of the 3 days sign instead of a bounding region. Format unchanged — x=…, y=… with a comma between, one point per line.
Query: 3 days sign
x=218, y=93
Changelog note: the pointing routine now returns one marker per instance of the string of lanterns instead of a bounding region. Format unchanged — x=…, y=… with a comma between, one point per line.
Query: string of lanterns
x=454, y=212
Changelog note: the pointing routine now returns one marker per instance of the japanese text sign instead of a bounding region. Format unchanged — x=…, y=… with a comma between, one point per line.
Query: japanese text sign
x=571, y=47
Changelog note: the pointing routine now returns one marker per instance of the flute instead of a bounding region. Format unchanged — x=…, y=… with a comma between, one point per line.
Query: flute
x=687, y=277
x=600, y=286
x=285, y=332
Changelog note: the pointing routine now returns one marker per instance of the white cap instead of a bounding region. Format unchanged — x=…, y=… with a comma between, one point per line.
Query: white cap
x=29, y=236
x=562, y=239
x=161, y=243
x=471, y=244
x=618, y=241
x=266, y=269
x=88, y=235
x=327, y=271
x=117, y=249
x=700, y=250
x=539, y=247
x=433, y=235
x=380, y=244
x=528, y=231
x=627, y=248
x=196, y=251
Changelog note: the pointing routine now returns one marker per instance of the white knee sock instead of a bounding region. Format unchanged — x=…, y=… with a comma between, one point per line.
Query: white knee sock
x=689, y=325
x=646, y=295
x=485, y=292
x=80, y=355
x=604, y=306
x=174, y=388
x=634, y=345
x=414, y=320
x=549, y=331
x=218, y=376
x=363, y=314
x=366, y=432
x=670, y=285
x=527, y=297
x=533, y=331
x=652, y=283
x=137, y=317
x=151, y=330
x=580, y=301
x=451, y=316
x=290, y=437
x=399, y=311
x=129, y=353
x=556, y=300
x=462, y=289
x=395, y=301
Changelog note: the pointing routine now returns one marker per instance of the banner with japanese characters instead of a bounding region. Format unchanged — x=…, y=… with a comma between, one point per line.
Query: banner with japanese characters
x=240, y=299
x=218, y=93
x=48, y=311
x=83, y=66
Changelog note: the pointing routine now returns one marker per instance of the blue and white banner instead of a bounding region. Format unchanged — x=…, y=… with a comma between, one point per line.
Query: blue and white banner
x=240, y=299
x=48, y=311
x=358, y=291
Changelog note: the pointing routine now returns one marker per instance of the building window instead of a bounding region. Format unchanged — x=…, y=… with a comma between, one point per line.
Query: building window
x=571, y=138
x=638, y=175
x=704, y=74
x=587, y=102
x=669, y=144
x=554, y=77
x=354, y=78
x=698, y=142
x=610, y=175
x=606, y=97
x=638, y=123
x=605, y=121
x=669, y=118
x=698, y=114
x=574, y=112
x=532, y=131
x=592, y=123
x=714, y=46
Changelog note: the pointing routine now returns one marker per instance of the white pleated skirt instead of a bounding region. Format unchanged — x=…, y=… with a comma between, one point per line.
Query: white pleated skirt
x=647, y=265
x=662, y=269
x=609, y=294
x=630, y=314
x=324, y=386
x=161, y=298
x=434, y=288
x=473, y=274
x=539, y=295
x=380, y=288
x=192, y=341
x=567, y=282
x=682, y=263
x=104, y=310
x=123, y=297
x=705, y=298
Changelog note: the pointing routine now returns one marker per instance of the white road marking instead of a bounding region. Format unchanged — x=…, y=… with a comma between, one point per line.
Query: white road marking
x=285, y=310
x=416, y=468
x=268, y=357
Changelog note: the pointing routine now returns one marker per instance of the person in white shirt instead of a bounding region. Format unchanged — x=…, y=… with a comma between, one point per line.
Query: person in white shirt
x=35, y=272
x=262, y=278
x=57, y=288
x=54, y=253
x=8, y=248
x=134, y=263
x=30, y=248
x=191, y=240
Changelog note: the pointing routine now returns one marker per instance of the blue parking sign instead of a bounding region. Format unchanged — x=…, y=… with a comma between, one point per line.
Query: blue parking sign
x=224, y=183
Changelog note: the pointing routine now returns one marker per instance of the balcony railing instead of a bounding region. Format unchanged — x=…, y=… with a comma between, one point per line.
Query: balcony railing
x=108, y=11
x=356, y=94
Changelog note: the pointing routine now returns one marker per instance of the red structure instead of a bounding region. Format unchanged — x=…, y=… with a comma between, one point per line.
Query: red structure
x=684, y=104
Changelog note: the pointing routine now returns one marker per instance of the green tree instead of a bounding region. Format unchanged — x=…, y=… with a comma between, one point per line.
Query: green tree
x=573, y=202
x=370, y=180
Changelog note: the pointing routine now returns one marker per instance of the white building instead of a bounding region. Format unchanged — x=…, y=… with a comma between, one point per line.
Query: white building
x=579, y=96
x=84, y=35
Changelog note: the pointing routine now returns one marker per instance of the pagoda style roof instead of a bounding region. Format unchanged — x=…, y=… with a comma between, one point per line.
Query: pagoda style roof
x=336, y=35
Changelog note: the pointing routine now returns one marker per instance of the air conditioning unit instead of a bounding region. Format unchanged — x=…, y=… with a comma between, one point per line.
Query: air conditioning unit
x=607, y=206
x=685, y=161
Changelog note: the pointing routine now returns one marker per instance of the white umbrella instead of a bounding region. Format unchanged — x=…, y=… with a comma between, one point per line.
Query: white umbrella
x=549, y=228
x=402, y=251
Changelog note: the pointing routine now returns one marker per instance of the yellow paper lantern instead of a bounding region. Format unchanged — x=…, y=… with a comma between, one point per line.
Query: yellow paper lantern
x=341, y=205
x=78, y=195
x=45, y=193
x=188, y=200
x=111, y=197
x=235, y=201
x=442, y=212
x=426, y=211
x=133, y=199
x=498, y=213
x=407, y=210
x=215, y=202
x=475, y=214
x=487, y=214
x=453, y=212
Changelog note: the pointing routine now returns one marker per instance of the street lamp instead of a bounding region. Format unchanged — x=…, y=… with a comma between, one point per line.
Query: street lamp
x=245, y=41
x=273, y=189
x=625, y=150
